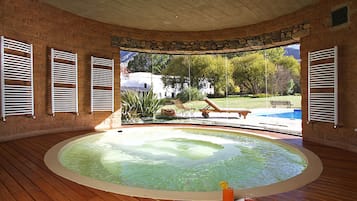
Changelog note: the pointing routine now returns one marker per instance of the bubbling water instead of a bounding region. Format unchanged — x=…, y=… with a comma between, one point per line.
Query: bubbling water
x=181, y=159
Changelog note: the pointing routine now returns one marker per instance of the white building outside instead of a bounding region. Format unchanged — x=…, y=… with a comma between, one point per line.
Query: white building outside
x=141, y=82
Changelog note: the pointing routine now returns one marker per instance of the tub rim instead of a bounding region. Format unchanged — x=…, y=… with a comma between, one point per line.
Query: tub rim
x=312, y=172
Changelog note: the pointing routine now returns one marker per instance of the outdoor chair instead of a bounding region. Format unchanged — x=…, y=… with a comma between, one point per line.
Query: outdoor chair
x=181, y=107
x=212, y=107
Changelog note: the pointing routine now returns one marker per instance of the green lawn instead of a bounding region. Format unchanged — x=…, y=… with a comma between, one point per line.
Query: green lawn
x=243, y=102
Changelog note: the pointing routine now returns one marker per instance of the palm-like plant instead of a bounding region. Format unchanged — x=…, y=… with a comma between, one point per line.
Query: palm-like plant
x=134, y=106
x=129, y=100
x=150, y=104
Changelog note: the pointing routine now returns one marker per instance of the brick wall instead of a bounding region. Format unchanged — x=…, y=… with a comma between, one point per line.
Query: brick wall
x=323, y=35
x=46, y=27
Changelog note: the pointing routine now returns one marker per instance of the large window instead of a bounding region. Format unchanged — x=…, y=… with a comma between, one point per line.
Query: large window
x=263, y=86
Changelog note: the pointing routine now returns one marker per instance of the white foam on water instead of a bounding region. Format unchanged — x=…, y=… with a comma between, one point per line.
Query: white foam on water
x=183, y=159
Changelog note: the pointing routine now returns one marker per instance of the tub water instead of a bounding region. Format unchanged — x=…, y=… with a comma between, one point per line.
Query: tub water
x=181, y=159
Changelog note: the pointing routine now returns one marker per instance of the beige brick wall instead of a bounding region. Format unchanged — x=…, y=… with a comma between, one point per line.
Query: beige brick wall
x=322, y=35
x=46, y=27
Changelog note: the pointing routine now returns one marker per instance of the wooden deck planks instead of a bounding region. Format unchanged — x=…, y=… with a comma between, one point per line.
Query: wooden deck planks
x=13, y=187
x=34, y=191
x=73, y=191
x=5, y=195
x=31, y=171
x=24, y=176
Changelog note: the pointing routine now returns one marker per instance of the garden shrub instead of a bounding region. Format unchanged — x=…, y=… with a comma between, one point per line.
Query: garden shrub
x=135, y=106
x=190, y=94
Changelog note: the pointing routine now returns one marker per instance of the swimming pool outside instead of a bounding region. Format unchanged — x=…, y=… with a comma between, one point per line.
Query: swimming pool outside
x=255, y=120
x=295, y=114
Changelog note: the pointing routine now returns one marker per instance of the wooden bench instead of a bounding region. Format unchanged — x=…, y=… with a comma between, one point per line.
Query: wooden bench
x=282, y=103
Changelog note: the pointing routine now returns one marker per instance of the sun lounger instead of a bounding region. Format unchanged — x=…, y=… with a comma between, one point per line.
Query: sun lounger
x=212, y=107
x=180, y=105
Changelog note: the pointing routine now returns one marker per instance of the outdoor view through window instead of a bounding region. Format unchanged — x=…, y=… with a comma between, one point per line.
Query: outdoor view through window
x=257, y=89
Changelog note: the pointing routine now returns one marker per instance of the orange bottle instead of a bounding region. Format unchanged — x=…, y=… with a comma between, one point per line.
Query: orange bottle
x=227, y=192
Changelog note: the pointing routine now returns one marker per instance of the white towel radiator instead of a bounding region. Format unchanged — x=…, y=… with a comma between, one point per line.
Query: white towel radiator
x=64, y=83
x=323, y=86
x=16, y=77
x=102, y=84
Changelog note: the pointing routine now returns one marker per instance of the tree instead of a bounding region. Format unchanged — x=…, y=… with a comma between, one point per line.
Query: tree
x=140, y=63
x=249, y=72
x=159, y=62
x=273, y=54
x=176, y=72
x=197, y=68
x=153, y=63
x=288, y=77
x=282, y=82
x=185, y=69
x=219, y=74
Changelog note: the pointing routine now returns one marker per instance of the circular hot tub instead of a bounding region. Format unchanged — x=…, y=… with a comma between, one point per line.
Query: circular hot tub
x=183, y=163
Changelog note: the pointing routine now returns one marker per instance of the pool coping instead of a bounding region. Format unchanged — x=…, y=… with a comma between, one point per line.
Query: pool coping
x=311, y=173
x=253, y=121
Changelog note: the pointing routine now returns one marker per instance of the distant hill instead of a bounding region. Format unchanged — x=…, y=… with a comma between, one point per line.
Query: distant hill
x=289, y=51
x=126, y=56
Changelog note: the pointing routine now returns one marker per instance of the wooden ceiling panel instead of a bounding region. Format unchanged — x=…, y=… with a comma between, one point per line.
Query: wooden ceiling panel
x=181, y=15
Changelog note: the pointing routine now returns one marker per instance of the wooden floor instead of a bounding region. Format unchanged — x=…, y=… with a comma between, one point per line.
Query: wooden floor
x=24, y=176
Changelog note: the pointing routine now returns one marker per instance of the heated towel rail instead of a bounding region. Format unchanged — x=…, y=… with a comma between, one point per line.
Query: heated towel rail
x=16, y=78
x=64, y=83
x=323, y=86
x=102, y=83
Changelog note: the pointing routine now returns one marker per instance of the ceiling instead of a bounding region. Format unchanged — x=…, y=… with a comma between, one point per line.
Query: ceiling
x=181, y=15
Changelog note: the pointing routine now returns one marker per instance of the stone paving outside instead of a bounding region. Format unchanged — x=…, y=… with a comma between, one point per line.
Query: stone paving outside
x=253, y=120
